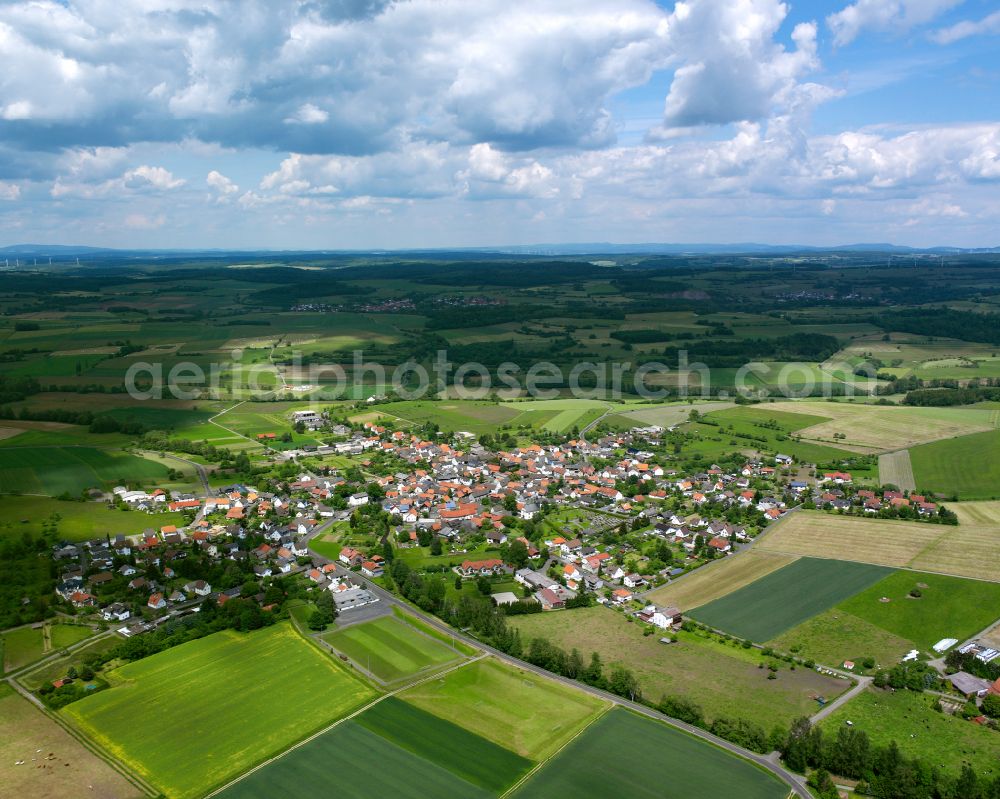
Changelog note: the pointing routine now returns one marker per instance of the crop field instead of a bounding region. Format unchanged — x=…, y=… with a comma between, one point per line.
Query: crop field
x=670, y=415
x=355, y=763
x=948, y=607
x=981, y=514
x=390, y=649
x=941, y=740
x=724, y=679
x=965, y=551
x=54, y=762
x=879, y=428
x=224, y=702
x=894, y=468
x=530, y=715
x=718, y=578
x=74, y=521
x=787, y=597
x=833, y=636
x=967, y=467
x=465, y=754
x=612, y=758
x=58, y=470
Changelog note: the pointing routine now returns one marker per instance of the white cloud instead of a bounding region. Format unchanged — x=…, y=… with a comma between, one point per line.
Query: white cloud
x=9, y=191
x=963, y=30
x=151, y=177
x=884, y=15
x=144, y=222
x=220, y=184
x=308, y=114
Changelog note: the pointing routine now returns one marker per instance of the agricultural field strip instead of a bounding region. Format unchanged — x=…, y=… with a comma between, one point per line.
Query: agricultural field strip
x=894, y=468
x=340, y=721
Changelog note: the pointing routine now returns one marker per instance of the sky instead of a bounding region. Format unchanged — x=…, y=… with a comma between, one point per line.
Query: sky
x=362, y=124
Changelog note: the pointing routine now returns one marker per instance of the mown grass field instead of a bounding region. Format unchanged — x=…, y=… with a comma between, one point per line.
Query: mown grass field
x=390, y=649
x=469, y=756
x=530, y=715
x=716, y=579
x=74, y=521
x=941, y=740
x=352, y=762
x=24, y=730
x=787, y=597
x=59, y=470
x=25, y=645
x=833, y=636
x=614, y=757
x=199, y=714
x=967, y=467
x=966, y=550
x=722, y=678
x=948, y=607
x=894, y=468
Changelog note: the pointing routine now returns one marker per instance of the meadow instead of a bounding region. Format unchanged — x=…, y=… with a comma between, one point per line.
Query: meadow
x=25, y=645
x=390, y=649
x=724, y=679
x=613, y=757
x=967, y=467
x=894, y=468
x=55, y=763
x=833, y=636
x=718, y=578
x=224, y=703
x=74, y=521
x=787, y=597
x=530, y=715
x=941, y=740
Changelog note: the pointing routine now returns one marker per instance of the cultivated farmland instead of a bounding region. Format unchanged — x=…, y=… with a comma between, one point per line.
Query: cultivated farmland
x=61, y=766
x=390, y=649
x=894, y=468
x=724, y=679
x=612, y=758
x=787, y=597
x=718, y=578
x=966, y=467
x=59, y=470
x=220, y=703
x=74, y=521
x=531, y=715
x=833, y=636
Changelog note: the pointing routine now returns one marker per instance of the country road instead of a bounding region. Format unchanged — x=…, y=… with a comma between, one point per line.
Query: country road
x=796, y=783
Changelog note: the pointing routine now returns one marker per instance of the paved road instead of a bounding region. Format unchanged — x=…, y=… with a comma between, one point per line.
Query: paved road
x=795, y=783
x=583, y=433
x=843, y=699
x=201, y=471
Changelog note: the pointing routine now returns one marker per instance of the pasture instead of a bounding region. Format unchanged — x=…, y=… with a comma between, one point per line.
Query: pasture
x=59, y=470
x=787, y=597
x=941, y=740
x=833, y=636
x=224, y=702
x=724, y=679
x=390, y=650
x=54, y=762
x=25, y=645
x=967, y=467
x=613, y=756
x=948, y=607
x=521, y=711
x=718, y=578
x=74, y=521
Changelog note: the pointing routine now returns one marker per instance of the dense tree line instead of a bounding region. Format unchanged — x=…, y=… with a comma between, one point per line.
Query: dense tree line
x=943, y=322
x=733, y=353
x=945, y=397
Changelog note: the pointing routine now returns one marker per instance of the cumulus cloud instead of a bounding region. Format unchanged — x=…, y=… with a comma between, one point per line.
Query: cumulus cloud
x=9, y=191
x=963, y=30
x=220, y=184
x=883, y=15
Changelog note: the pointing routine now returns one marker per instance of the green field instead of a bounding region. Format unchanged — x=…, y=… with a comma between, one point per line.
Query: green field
x=352, y=762
x=941, y=740
x=948, y=607
x=967, y=467
x=624, y=754
x=833, y=636
x=74, y=521
x=390, y=649
x=25, y=645
x=465, y=754
x=59, y=470
x=787, y=597
x=221, y=704
x=518, y=710
x=724, y=679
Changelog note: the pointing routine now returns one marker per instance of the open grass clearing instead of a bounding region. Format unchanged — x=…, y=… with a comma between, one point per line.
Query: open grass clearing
x=787, y=597
x=718, y=578
x=390, y=649
x=612, y=757
x=967, y=467
x=670, y=415
x=521, y=711
x=25, y=645
x=982, y=514
x=833, y=636
x=62, y=767
x=941, y=740
x=724, y=679
x=224, y=702
x=59, y=470
x=74, y=521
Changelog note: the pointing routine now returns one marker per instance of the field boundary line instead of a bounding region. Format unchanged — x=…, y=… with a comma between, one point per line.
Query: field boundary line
x=603, y=712
x=335, y=724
